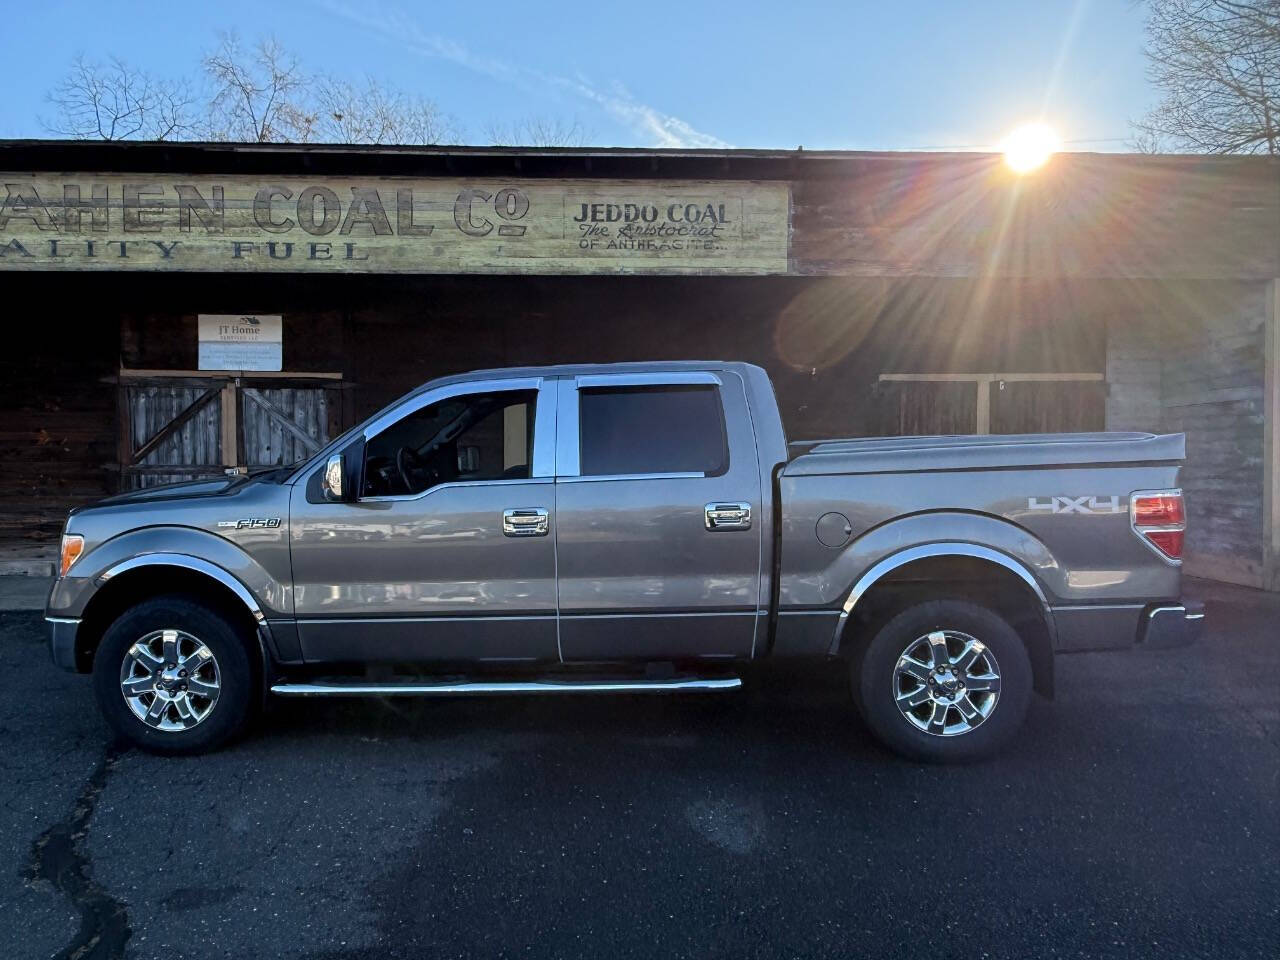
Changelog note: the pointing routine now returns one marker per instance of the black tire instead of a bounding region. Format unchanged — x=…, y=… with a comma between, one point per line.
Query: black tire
x=228, y=714
x=875, y=686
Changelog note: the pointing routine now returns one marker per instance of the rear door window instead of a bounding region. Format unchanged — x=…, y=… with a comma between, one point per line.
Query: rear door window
x=631, y=430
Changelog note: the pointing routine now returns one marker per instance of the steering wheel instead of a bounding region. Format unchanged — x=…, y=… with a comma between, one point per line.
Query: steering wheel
x=408, y=463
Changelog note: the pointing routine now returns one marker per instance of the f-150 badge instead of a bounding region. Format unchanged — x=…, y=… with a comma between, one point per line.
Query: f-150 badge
x=251, y=523
x=1086, y=504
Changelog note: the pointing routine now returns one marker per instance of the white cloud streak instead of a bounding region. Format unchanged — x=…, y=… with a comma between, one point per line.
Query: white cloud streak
x=661, y=129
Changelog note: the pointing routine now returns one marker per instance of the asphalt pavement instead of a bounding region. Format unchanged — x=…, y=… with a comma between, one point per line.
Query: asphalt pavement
x=1137, y=815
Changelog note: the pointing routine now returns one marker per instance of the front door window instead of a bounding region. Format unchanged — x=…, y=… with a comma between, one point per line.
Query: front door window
x=476, y=437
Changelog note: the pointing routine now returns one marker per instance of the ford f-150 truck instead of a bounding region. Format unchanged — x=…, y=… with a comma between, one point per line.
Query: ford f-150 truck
x=625, y=528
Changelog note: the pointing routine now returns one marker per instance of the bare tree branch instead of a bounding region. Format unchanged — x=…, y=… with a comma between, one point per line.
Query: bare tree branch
x=1216, y=64
x=537, y=131
x=262, y=94
x=258, y=94
x=115, y=101
x=346, y=113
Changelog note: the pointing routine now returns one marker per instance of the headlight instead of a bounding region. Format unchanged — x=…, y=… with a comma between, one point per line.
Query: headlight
x=72, y=547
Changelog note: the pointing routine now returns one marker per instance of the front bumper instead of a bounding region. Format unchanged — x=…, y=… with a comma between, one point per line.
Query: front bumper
x=1172, y=625
x=62, y=641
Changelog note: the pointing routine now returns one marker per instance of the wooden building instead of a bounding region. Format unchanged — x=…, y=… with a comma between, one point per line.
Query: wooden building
x=886, y=293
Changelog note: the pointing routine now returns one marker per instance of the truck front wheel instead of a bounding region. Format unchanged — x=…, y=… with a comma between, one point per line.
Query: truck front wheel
x=944, y=681
x=172, y=676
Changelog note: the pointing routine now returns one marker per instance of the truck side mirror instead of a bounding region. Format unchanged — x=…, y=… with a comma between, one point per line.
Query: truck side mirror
x=333, y=480
x=340, y=477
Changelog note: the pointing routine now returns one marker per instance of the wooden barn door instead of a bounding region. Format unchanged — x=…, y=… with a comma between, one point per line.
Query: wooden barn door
x=169, y=431
x=925, y=408
x=982, y=403
x=1053, y=406
x=281, y=425
x=182, y=427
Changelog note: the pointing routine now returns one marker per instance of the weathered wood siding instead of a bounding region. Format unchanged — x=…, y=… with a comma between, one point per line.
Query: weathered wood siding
x=852, y=214
x=1198, y=347
x=57, y=417
x=1083, y=215
x=1133, y=377
x=1212, y=389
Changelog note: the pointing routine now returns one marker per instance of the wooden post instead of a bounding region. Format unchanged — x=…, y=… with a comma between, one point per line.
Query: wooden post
x=230, y=419
x=124, y=437
x=983, y=423
x=1271, y=444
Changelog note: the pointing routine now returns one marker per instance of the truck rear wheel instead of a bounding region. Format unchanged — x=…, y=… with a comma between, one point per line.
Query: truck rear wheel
x=944, y=681
x=172, y=676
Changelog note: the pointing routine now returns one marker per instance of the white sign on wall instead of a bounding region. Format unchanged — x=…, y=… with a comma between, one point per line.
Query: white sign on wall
x=241, y=341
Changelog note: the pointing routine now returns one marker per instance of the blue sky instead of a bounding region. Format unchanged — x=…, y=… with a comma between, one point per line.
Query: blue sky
x=836, y=75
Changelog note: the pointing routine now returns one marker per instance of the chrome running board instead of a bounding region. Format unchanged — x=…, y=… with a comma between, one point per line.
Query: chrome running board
x=322, y=688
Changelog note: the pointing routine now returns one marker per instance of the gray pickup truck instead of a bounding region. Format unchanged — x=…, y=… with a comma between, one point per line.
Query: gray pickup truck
x=624, y=528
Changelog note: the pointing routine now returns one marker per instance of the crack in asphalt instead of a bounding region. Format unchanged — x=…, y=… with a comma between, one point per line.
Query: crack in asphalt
x=58, y=858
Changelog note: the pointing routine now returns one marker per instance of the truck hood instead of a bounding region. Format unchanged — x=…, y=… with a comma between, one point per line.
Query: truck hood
x=189, y=489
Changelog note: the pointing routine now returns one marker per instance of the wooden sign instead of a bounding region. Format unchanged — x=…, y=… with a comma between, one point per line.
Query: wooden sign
x=391, y=225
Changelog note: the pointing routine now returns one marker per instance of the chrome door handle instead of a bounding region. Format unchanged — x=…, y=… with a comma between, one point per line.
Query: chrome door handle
x=728, y=516
x=530, y=522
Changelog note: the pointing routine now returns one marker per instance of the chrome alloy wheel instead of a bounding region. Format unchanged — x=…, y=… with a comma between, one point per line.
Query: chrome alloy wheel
x=946, y=683
x=170, y=680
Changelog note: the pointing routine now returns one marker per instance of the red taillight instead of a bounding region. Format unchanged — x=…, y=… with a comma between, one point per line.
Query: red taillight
x=1158, y=510
x=1159, y=518
x=1169, y=542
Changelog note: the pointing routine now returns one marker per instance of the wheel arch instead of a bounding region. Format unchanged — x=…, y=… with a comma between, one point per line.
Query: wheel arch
x=951, y=569
x=137, y=579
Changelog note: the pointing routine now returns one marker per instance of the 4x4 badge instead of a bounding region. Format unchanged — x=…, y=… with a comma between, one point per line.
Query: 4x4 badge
x=1085, y=504
x=251, y=523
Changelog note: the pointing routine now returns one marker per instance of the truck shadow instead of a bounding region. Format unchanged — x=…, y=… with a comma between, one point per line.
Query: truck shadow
x=787, y=706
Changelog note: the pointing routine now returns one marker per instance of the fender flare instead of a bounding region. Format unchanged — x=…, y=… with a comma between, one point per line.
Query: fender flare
x=944, y=549
x=196, y=564
x=262, y=631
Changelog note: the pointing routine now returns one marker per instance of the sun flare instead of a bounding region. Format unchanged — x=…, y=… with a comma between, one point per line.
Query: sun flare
x=1029, y=147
